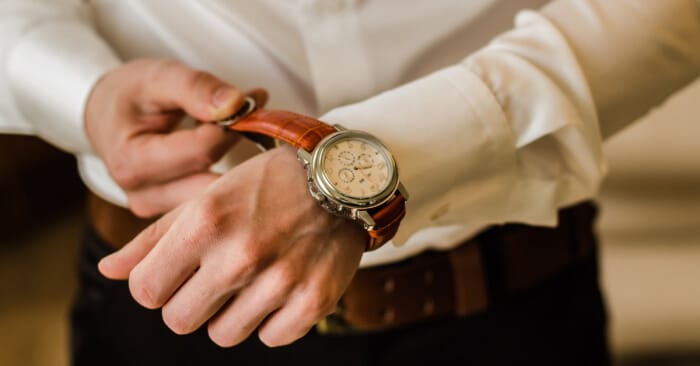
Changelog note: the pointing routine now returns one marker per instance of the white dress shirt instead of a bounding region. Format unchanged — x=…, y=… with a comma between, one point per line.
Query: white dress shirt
x=508, y=131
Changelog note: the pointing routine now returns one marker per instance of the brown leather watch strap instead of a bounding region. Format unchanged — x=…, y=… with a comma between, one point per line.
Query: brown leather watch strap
x=295, y=129
x=386, y=219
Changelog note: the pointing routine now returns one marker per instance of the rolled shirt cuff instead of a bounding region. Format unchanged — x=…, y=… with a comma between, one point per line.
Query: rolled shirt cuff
x=52, y=70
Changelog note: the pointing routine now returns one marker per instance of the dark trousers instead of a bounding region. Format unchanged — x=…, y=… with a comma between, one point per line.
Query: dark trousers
x=562, y=321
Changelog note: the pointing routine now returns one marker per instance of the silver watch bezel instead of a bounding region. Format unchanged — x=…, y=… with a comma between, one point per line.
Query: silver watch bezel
x=325, y=188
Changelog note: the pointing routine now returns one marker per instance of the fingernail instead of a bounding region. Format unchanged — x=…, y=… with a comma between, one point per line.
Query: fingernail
x=222, y=96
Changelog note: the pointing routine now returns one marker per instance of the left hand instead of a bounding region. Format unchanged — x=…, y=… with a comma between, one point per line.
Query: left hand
x=255, y=250
x=132, y=117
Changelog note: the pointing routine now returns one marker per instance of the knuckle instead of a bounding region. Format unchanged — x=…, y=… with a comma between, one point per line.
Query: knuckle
x=251, y=258
x=205, y=158
x=141, y=208
x=206, y=217
x=244, y=265
x=198, y=79
x=228, y=278
x=240, y=272
x=275, y=339
x=320, y=303
x=230, y=335
x=142, y=291
x=220, y=337
x=178, y=322
x=270, y=339
x=124, y=174
x=164, y=67
x=284, y=276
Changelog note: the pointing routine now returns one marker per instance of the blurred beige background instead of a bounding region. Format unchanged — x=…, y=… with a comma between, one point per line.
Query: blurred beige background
x=650, y=229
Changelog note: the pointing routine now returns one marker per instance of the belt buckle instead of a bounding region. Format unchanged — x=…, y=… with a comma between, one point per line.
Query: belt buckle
x=333, y=325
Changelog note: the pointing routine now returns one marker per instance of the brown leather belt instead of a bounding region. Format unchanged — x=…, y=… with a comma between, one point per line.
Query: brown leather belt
x=486, y=270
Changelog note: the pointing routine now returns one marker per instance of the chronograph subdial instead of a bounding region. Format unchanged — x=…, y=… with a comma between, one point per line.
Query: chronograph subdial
x=346, y=157
x=346, y=175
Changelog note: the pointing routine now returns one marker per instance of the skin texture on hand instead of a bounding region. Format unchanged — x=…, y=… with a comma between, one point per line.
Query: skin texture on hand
x=131, y=119
x=254, y=252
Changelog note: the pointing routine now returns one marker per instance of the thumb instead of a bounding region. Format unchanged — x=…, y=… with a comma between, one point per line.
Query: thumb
x=200, y=94
x=118, y=265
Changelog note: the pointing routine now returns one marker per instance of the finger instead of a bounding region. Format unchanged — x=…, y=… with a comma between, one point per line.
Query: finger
x=158, y=199
x=119, y=264
x=200, y=94
x=295, y=318
x=240, y=317
x=157, y=158
x=175, y=257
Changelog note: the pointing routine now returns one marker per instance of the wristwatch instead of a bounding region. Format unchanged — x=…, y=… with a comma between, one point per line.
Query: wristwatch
x=350, y=173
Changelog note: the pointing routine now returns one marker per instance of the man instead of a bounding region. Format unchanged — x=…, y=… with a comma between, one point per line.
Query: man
x=510, y=134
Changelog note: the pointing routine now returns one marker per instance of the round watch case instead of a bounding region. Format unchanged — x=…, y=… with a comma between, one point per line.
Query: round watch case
x=323, y=190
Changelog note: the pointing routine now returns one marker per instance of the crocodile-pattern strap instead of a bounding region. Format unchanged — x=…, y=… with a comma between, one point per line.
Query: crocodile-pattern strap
x=305, y=133
x=297, y=130
x=387, y=219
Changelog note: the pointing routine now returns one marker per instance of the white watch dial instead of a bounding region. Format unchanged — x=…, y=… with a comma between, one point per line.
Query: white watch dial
x=357, y=167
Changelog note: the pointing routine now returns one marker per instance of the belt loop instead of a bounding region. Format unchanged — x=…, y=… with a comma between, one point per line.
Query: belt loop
x=469, y=279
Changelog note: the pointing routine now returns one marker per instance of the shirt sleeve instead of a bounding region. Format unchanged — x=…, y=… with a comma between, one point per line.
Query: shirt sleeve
x=515, y=131
x=51, y=56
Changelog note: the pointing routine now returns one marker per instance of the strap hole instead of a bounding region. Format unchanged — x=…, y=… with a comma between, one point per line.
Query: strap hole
x=429, y=306
x=389, y=285
x=388, y=315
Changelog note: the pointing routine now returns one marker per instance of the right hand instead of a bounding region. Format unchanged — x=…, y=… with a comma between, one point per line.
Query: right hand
x=131, y=118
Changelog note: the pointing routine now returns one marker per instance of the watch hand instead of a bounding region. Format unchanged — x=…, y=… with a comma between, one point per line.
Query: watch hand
x=362, y=167
x=363, y=172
